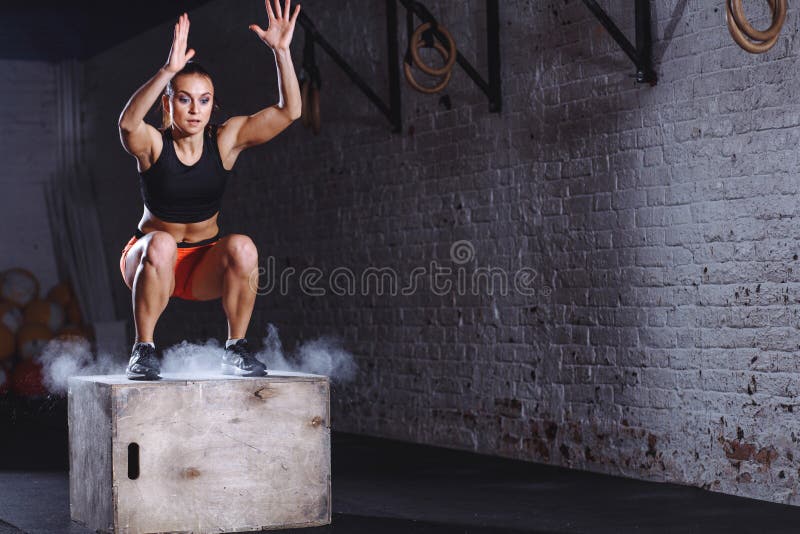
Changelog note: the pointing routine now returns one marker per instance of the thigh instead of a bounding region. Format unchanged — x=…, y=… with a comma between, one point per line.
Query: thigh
x=134, y=257
x=207, y=276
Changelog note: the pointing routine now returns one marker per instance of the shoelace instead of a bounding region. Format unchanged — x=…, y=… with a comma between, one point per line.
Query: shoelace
x=151, y=359
x=147, y=356
x=241, y=350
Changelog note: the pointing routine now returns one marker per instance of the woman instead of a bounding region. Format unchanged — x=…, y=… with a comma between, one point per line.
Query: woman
x=177, y=249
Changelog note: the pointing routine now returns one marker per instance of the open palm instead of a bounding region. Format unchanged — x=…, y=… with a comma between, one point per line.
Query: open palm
x=178, y=54
x=281, y=26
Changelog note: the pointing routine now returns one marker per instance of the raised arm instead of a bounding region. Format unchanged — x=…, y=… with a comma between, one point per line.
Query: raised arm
x=138, y=137
x=241, y=132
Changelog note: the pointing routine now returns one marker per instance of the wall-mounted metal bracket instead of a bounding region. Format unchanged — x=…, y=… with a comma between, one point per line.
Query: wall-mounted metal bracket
x=641, y=55
x=492, y=88
x=392, y=111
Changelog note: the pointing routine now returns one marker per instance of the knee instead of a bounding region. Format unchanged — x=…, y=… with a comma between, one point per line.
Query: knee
x=161, y=250
x=242, y=253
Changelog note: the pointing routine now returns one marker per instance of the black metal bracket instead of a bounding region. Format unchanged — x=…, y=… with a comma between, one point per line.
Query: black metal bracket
x=641, y=55
x=313, y=37
x=492, y=88
x=392, y=111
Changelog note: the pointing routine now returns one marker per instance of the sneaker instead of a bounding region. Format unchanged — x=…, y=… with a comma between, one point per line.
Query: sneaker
x=144, y=364
x=238, y=361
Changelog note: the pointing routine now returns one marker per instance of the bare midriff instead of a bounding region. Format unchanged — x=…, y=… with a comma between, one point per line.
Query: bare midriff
x=182, y=232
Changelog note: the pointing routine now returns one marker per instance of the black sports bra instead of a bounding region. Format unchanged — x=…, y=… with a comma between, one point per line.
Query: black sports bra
x=175, y=192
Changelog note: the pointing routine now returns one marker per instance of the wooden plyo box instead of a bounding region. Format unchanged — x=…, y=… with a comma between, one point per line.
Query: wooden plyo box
x=211, y=454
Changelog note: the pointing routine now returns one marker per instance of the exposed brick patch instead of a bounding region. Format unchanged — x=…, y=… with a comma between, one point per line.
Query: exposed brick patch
x=737, y=450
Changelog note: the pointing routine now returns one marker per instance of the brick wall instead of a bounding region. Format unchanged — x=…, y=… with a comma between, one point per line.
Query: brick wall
x=660, y=339
x=29, y=114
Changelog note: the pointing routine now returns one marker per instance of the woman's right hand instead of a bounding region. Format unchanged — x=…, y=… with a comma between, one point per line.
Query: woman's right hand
x=178, y=54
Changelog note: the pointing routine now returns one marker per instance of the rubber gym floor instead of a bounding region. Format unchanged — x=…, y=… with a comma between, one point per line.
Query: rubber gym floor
x=386, y=486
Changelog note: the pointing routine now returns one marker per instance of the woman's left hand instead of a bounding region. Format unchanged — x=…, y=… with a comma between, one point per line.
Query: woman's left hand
x=281, y=26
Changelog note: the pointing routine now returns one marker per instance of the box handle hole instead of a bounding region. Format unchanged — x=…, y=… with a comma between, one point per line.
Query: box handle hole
x=133, y=461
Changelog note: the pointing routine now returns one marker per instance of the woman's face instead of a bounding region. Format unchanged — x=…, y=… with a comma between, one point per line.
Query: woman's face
x=191, y=102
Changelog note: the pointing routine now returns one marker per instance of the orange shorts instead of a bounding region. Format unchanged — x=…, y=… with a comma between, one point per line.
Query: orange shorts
x=189, y=255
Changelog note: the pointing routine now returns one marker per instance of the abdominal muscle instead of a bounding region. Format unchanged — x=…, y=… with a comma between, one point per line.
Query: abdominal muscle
x=182, y=232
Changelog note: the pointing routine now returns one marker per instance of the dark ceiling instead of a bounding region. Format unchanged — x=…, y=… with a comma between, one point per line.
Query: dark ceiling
x=53, y=31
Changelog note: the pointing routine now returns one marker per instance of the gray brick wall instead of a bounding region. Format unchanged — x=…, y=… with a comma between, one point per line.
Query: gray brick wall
x=661, y=339
x=28, y=113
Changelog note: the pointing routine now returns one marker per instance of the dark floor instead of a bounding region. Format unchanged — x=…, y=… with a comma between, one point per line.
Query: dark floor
x=386, y=487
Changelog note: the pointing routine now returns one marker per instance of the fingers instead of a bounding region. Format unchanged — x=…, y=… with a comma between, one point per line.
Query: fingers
x=178, y=30
x=179, y=54
x=258, y=31
x=278, y=12
x=184, y=36
x=294, y=15
x=182, y=26
x=185, y=32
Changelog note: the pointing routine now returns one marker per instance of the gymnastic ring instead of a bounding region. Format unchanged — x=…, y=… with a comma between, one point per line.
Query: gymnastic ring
x=778, y=18
x=315, y=119
x=741, y=39
x=452, y=54
x=744, y=42
x=421, y=88
x=778, y=8
x=304, y=113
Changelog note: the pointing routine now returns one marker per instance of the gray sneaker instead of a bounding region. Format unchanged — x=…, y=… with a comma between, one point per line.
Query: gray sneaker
x=144, y=364
x=238, y=361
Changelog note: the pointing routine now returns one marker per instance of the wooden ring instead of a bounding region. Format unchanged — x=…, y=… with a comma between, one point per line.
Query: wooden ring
x=315, y=119
x=741, y=39
x=421, y=88
x=778, y=17
x=451, y=56
x=304, y=113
